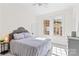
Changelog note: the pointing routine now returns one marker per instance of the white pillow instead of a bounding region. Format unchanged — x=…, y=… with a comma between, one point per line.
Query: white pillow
x=18, y=36
x=26, y=35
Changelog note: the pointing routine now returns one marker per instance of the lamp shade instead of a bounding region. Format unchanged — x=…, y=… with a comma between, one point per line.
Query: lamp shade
x=6, y=38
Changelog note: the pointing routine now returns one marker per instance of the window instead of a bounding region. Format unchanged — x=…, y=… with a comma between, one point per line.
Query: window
x=46, y=27
x=59, y=51
x=57, y=27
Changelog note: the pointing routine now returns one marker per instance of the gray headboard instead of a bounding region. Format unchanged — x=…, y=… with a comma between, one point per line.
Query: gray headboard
x=18, y=30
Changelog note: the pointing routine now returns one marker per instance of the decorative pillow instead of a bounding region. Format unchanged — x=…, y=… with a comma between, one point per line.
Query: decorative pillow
x=26, y=35
x=18, y=36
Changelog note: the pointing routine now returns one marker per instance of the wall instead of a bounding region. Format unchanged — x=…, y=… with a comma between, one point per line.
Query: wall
x=68, y=24
x=76, y=18
x=14, y=16
x=0, y=19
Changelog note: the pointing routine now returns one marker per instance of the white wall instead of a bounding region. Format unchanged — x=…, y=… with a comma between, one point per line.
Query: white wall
x=14, y=16
x=76, y=18
x=0, y=20
x=68, y=24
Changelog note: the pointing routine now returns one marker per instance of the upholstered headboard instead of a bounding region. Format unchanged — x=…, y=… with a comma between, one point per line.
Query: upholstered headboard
x=18, y=30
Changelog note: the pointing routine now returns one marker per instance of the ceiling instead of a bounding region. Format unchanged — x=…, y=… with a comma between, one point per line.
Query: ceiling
x=50, y=7
x=43, y=9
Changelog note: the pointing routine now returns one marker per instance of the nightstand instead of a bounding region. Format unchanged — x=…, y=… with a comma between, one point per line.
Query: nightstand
x=4, y=47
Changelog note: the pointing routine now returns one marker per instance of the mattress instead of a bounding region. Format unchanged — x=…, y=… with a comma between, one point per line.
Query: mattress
x=30, y=47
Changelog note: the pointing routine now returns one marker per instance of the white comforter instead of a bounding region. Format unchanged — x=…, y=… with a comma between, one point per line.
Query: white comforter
x=30, y=46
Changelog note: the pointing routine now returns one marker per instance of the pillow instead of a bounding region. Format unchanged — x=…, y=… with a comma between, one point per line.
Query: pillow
x=26, y=35
x=18, y=36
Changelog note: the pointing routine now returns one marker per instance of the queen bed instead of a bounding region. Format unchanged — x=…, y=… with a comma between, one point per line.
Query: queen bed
x=24, y=44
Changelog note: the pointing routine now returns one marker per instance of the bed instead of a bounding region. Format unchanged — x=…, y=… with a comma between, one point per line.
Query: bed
x=24, y=44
